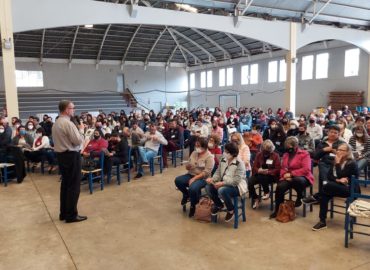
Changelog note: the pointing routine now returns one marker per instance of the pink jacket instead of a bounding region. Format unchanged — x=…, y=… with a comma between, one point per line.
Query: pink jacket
x=300, y=165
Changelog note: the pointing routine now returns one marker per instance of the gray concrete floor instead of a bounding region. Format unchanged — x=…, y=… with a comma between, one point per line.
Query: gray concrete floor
x=140, y=225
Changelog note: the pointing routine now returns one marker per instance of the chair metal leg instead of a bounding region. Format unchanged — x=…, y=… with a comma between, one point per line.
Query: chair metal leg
x=236, y=212
x=272, y=197
x=332, y=208
x=90, y=183
x=243, y=209
x=129, y=171
x=118, y=175
x=160, y=164
x=5, y=176
x=101, y=180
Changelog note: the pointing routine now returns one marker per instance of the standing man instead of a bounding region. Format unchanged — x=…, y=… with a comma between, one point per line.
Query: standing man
x=67, y=144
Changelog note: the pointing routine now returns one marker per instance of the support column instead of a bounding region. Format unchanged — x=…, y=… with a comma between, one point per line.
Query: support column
x=7, y=45
x=368, y=83
x=291, y=62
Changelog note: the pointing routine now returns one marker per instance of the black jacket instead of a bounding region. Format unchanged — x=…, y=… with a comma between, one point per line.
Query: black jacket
x=323, y=156
x=121, y=150
x=349, y=170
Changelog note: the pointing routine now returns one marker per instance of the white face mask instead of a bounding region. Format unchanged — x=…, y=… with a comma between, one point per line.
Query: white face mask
x=292, y=127
x=2, y=130
x=341, y=126
x=210, y=145
x=104, y=126
x=359, y=134
x=30, y=127
x=198, y=150
x=38, y=135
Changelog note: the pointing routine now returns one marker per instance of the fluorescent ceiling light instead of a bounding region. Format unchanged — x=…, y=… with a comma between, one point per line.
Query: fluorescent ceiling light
x=89, y=25
x=187, y=8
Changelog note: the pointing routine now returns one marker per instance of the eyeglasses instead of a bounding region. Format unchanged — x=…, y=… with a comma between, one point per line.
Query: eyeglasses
x=342, y=150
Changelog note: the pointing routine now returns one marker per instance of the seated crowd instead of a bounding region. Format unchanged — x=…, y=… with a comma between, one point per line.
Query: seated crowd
x=229, y=152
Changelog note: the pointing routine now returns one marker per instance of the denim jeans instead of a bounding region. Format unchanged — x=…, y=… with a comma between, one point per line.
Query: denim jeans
x=361, y=164
x=227, y=193
x=145, y=154
x=193, y=191
x=243, y=127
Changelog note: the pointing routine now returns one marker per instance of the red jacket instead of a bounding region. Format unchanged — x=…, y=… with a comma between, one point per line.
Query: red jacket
x=299, y=165
x=96, y=145
x=260, y=161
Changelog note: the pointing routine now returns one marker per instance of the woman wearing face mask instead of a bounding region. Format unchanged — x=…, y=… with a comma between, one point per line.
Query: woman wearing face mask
x=110, y=122
x=305, y=141
x=266, y=169
x=22, y=139
x=286, y=125
x=360, y=144
x=295, y=173
x=293, y=128
x=345, y=134
x=30, y=128
x=40, y=144
x=227, y=182
x=339, y=182
x=214, y=149
x=276, y=134
x=199, y=168
x=244, y=152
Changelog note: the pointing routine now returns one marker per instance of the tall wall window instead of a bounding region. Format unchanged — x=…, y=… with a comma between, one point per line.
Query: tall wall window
x=229, y=76
x=322, y=65
x=192, y=80
x=29, y=78
x=221, y=77
x=209, y=78
x=307, y=67
x=203, y=79
x=273, y=71
x=254, y=74
x=244, y=75
x=351, y=62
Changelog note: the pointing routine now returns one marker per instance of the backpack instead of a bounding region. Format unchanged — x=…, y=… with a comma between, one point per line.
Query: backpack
x=286, y=212
x=203, y=210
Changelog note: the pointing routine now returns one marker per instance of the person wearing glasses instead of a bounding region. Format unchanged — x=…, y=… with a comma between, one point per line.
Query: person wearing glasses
x=342, y=170
x=67, y=145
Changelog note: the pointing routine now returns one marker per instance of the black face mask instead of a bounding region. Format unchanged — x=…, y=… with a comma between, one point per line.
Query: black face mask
x=290, y=150
x=96, y=137
x=312, y=121
x=301, y=132
x=266, y=153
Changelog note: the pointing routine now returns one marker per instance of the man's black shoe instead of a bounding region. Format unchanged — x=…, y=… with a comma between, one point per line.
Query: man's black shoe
x=139, y=175
x=76, y=219
x=61, y=218
x=298, y=203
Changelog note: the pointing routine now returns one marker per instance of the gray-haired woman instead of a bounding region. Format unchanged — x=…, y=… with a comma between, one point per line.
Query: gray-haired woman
x=266, y=169
x=339, y=182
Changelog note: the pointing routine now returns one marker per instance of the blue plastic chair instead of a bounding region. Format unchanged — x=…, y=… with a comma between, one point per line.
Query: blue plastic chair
x=349, y=220
x=237, y=207
x=100, y=172
x=4, y=165
x=119, y=170
x=160, y=161
x=178, y=154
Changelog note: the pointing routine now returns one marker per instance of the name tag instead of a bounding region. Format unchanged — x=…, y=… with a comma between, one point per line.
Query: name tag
x=269, y=162
x=332, y=155
x=201, y=164
x=277, y=143
x=173, y=136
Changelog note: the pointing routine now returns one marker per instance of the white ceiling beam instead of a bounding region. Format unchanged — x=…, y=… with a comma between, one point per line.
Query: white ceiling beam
x=129, y=45
x=319, y=11
x=196, y=58
x=247, y=7
x=245, y=50
x=180, y=48
x=226, y=53
x=171, y=56
x=102, y=44
x=42, y=46
x=211, y=57
x=73, y=46
x=155, y=44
